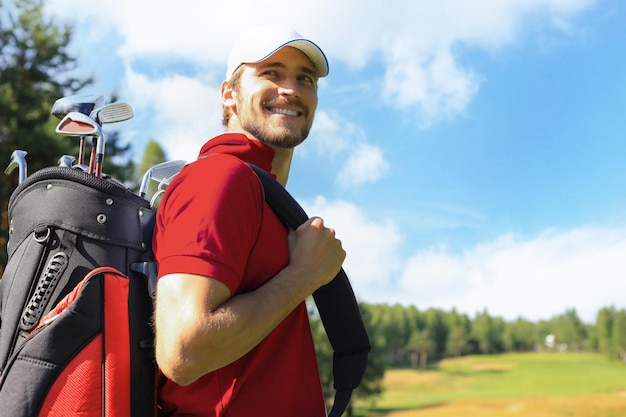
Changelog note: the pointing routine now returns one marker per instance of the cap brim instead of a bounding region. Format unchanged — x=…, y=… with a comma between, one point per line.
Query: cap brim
x=258, y=44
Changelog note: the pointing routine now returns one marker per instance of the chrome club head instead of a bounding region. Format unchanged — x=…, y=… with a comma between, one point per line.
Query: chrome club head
x=18, y=160
x=165, y=171
x=78, y=124
x=66, y=161
x=83, y=103
x=112, y=113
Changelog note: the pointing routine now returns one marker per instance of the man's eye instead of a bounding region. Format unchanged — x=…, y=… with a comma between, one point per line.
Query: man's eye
x=309, y=80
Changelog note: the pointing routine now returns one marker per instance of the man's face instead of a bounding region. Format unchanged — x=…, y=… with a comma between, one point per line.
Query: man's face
x=277, y=98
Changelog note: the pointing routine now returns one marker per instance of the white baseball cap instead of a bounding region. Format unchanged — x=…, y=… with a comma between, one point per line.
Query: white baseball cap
x=259, y=43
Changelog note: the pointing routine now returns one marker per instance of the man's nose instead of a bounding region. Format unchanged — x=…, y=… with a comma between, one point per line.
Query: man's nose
x=289, y=86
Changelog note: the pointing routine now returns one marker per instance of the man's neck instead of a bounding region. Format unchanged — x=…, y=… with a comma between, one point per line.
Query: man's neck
x=281, y=164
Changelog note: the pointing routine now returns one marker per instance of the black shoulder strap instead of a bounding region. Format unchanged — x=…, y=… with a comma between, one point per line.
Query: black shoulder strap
x=335, y=302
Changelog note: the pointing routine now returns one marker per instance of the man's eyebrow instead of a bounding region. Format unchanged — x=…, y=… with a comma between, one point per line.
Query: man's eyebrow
x=277, y=64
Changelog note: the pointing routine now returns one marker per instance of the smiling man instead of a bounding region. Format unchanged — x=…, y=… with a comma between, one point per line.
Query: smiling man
x=232, y=331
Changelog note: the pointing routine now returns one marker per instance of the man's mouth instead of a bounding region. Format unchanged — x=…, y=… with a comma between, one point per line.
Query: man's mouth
x=286, y=112
x=292, y=108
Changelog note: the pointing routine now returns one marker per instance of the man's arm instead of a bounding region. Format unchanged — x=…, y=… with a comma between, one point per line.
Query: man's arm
x=201, y=328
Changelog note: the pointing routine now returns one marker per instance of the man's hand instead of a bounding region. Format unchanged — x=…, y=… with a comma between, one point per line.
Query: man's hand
x=315, y=252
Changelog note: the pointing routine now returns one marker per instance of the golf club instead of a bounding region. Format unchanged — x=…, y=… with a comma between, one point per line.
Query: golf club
x=112, y=113
x=109, y=113
x=162, y=173
x=66, y=161
x=18, y=159
x=84, y=104
x=161, y=189
x=75, y=123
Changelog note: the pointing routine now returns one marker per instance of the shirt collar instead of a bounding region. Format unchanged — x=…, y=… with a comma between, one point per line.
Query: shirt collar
x=239, y=145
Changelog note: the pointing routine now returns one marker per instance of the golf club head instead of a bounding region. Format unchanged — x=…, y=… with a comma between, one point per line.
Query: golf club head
x=165, y=171
x=66, y=161
x=82, y=167
x=112, y=113
x=78, y=124
x=84, y=104
x=18, y=159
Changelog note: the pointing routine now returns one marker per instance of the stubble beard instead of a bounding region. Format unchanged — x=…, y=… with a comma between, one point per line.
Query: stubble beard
x=280, y=134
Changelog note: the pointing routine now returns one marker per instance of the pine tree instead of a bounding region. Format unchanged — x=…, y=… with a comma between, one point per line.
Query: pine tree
x=34, y=72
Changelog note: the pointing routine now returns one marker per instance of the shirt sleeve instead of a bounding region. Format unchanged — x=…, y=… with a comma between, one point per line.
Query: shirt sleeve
x=209, y=220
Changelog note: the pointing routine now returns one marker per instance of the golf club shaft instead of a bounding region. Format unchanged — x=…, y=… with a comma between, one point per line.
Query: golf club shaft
x=81, y=150
x=100, y=154
x=92, y=158
x=99, y=160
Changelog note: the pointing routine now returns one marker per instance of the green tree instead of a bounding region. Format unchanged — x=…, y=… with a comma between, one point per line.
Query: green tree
x=460, y=328
x=152, y=155
x=604, y=329
x=571, y=330
x=485, y=330
x=392, y=322
x=519, y=336
x=619, y=335
x=438, y=330
x=34, y=68
x=33, y=58
x=419, y=345
x=372, y=385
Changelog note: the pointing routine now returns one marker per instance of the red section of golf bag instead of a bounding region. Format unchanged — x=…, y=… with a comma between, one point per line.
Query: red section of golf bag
x=82, y=354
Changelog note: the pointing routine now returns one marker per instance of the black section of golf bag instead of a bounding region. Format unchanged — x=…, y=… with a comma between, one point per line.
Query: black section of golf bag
x=63, y=223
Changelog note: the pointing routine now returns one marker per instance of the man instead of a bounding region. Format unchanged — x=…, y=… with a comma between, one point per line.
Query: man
x=232, y=331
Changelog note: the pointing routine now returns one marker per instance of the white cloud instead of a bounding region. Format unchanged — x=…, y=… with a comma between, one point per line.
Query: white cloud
x=433, y=83
x=187, y=111
x=366, y=164
x=335, y=137
x=371, y=245
x=331, y=135
x=536, y=278
x=415, y=41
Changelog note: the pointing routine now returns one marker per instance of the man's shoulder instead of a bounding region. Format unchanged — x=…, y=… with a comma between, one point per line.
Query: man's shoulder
x=216, y=175
x=219, y=166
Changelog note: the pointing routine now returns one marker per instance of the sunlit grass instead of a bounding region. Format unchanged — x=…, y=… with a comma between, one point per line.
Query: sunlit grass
x=528, y=383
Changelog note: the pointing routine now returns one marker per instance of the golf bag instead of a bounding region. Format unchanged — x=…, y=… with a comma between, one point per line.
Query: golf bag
x=75, y=300
x=75, y=338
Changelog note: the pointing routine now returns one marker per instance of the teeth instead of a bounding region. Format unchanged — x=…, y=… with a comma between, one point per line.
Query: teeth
x=285, y=112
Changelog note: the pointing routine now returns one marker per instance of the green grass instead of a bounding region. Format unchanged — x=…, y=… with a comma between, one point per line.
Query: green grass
x=487, y=377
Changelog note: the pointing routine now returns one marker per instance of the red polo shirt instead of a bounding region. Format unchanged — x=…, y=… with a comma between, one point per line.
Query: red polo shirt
x=214, y=221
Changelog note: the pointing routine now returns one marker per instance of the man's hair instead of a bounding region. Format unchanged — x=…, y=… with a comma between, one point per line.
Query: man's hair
x=234, y=82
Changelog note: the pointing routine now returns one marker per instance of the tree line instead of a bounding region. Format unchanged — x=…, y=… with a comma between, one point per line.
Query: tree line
x=404, y=336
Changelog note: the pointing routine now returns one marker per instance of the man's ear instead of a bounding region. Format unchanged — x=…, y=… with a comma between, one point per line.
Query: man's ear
x=228, y=95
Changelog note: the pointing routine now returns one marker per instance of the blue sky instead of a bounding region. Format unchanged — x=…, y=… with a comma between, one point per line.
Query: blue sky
x=469, y=154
